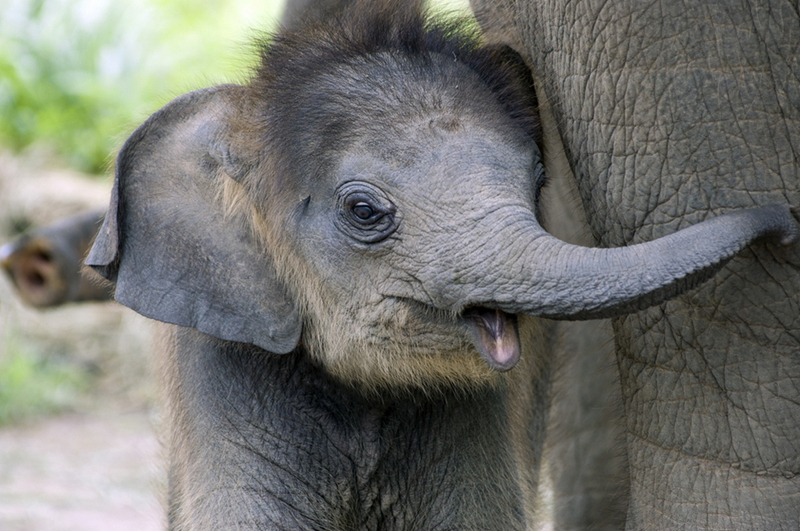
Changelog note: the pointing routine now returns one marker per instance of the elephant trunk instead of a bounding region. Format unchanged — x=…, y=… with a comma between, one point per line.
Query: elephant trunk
x=45, y=265
x=537, y=274
x=540, y=275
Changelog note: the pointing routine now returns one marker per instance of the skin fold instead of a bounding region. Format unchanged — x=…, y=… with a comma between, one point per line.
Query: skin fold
x=669, y=112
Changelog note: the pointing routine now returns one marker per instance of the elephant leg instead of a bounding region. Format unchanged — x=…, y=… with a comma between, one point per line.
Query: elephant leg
x=672, y=112
x=585, y=453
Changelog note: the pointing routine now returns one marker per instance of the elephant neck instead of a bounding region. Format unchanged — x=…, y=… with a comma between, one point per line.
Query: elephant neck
x=360, y=461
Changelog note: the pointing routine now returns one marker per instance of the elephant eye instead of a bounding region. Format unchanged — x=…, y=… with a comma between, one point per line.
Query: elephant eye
x=365, y=213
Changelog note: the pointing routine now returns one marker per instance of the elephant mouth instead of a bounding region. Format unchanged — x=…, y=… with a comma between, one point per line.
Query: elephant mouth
x=495, y=335
x=493, y=332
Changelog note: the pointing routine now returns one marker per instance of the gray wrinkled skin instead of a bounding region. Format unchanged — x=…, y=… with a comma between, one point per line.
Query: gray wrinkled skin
x=670, y=112
x=257, y=440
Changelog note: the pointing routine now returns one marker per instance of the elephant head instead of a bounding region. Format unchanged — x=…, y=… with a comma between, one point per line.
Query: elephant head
x=373, y=197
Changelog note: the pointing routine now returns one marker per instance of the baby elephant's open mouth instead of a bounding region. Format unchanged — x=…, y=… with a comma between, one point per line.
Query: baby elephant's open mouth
x=495, y=335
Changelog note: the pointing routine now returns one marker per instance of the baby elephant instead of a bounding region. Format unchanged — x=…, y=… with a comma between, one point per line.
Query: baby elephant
x=350, y=247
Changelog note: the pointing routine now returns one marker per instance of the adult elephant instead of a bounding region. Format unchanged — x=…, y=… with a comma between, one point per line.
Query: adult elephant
x=672, y=112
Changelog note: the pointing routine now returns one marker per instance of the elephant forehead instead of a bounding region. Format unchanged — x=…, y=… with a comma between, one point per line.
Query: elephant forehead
x=438, y=154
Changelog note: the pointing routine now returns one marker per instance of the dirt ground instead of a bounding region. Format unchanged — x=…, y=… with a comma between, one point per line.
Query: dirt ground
x=94, y=465
x=80, y=472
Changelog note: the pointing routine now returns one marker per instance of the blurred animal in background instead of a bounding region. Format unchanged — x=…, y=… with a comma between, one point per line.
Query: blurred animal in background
x=46, y=265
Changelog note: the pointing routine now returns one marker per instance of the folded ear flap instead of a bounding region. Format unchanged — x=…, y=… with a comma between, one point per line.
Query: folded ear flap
x=169, y=246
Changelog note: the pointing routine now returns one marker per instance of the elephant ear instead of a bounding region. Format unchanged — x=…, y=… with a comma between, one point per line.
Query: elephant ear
x=167, y=242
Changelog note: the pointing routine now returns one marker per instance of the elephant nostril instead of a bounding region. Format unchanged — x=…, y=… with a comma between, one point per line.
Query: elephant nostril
x=42, y=256
x=34, y=279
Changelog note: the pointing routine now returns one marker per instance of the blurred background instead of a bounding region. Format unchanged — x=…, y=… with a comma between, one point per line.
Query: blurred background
x=78, y=408
x=78, y=414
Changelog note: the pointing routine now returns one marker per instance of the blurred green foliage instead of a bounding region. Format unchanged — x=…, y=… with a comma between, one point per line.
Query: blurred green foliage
x=32, y=385
x=78, y=75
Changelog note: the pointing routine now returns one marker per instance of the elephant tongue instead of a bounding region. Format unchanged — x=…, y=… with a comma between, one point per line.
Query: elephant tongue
x=496, y=337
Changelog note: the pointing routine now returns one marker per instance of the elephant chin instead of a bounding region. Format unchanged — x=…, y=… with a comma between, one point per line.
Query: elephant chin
x=495, y=335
